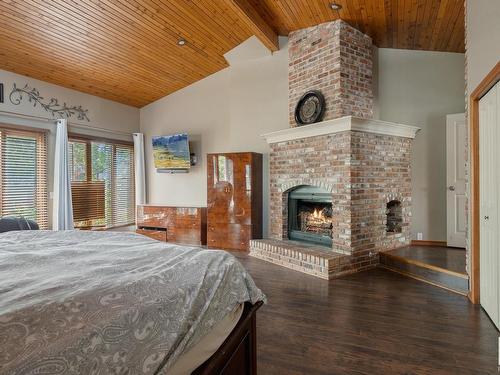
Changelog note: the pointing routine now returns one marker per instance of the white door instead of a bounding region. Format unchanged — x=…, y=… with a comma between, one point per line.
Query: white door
x=455, y=179
x=489, y=144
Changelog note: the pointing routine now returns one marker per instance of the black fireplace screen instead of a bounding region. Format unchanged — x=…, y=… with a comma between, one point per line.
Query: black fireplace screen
x=310, y=215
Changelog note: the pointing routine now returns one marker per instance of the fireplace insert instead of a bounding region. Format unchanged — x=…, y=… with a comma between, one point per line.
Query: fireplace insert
x=310, y=215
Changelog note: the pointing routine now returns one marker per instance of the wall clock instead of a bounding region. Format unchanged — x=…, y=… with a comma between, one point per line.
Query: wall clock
x=310, y=108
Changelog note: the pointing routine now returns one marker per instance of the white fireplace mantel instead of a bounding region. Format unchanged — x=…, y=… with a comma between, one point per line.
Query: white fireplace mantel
x=340, y=125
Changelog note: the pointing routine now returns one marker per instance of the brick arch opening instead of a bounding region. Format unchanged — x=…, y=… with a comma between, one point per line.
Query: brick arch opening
x=394, y=217
x=294, y=184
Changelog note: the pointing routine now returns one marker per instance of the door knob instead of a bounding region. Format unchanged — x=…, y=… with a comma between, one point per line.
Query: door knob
x=451, y=188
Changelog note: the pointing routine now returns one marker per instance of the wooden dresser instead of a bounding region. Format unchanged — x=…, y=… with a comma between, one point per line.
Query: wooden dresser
x=234, y=212
x=184, y=225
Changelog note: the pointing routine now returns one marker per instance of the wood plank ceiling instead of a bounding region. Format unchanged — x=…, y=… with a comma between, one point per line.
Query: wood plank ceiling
x=433, y=25
x=126, y=50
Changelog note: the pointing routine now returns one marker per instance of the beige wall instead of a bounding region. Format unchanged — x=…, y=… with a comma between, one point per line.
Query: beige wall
x=483, y=39
x=420, y=88
x=107, y=119
x=102, y=113
x=483, y=53
x=229, y=110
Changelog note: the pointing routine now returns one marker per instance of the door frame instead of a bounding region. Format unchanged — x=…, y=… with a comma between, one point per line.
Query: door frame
x=486, y=84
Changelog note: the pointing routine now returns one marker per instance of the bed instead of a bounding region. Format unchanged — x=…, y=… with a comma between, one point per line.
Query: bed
x=74, y=302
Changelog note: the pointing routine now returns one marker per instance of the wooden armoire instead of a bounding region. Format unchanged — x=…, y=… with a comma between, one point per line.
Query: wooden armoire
x=234, y=212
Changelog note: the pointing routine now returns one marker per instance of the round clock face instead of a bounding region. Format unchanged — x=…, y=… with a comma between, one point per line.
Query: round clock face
x=310, y=108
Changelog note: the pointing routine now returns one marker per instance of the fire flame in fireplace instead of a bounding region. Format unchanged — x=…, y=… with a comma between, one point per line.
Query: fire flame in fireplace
x=316, y=221
x=318, y=214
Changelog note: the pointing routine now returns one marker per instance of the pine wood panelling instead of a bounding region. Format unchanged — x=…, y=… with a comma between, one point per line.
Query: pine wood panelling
x=252, y=18
x=123, y=50
x=126, y=50
x=410, y=24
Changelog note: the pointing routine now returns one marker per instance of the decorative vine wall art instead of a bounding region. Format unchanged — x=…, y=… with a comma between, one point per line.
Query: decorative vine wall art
x=52, y=106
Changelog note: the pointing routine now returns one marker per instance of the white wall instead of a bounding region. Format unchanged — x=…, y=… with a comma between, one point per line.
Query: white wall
x=420, y=88
x=229, y=110
x=483, y=39
x=225, y=112
x=107, y=119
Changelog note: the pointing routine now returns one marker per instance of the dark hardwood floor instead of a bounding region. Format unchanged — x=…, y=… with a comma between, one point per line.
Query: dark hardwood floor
x=374, y=322
x=449, y=258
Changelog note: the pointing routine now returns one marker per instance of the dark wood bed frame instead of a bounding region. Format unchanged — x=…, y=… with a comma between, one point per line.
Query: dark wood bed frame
x=238, y=354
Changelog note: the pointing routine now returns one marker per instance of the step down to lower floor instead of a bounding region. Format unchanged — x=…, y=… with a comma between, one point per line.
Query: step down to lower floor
x=431, y=274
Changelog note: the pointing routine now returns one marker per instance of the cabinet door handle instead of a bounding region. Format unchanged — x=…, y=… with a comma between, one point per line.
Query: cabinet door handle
x=486, y=217
x=451, y=188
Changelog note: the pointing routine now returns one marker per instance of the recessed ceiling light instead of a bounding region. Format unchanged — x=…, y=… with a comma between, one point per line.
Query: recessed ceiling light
x=335, y=6
x=181, y=42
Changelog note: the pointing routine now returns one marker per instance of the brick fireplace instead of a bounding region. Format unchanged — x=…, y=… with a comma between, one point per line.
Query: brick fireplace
x=347, y=178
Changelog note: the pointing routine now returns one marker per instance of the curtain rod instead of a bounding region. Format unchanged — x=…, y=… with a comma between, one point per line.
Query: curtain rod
x=81, y=126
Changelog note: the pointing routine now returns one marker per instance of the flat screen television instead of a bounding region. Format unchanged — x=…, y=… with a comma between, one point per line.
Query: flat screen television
x=171, y=152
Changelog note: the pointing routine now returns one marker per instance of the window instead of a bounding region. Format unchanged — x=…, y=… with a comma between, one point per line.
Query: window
x=102, y=183
x=23, y=175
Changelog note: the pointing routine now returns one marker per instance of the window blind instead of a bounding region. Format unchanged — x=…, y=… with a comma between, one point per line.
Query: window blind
x=89, y=207
x=23, y=175
x=108, y=163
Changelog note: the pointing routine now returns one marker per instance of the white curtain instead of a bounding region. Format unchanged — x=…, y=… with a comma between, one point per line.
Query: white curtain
x=62, y=209
x=139, y=167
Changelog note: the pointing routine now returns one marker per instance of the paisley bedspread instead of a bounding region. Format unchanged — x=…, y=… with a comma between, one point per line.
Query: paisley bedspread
x=75, y=302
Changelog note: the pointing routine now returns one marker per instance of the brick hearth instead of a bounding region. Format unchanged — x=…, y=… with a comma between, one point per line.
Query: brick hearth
x=313, y=260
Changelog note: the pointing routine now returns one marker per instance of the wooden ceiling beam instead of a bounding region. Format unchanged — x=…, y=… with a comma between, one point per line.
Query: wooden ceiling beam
x=249, y=15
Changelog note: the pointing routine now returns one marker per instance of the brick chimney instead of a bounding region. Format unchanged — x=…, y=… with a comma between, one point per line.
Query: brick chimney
x=336, y=59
